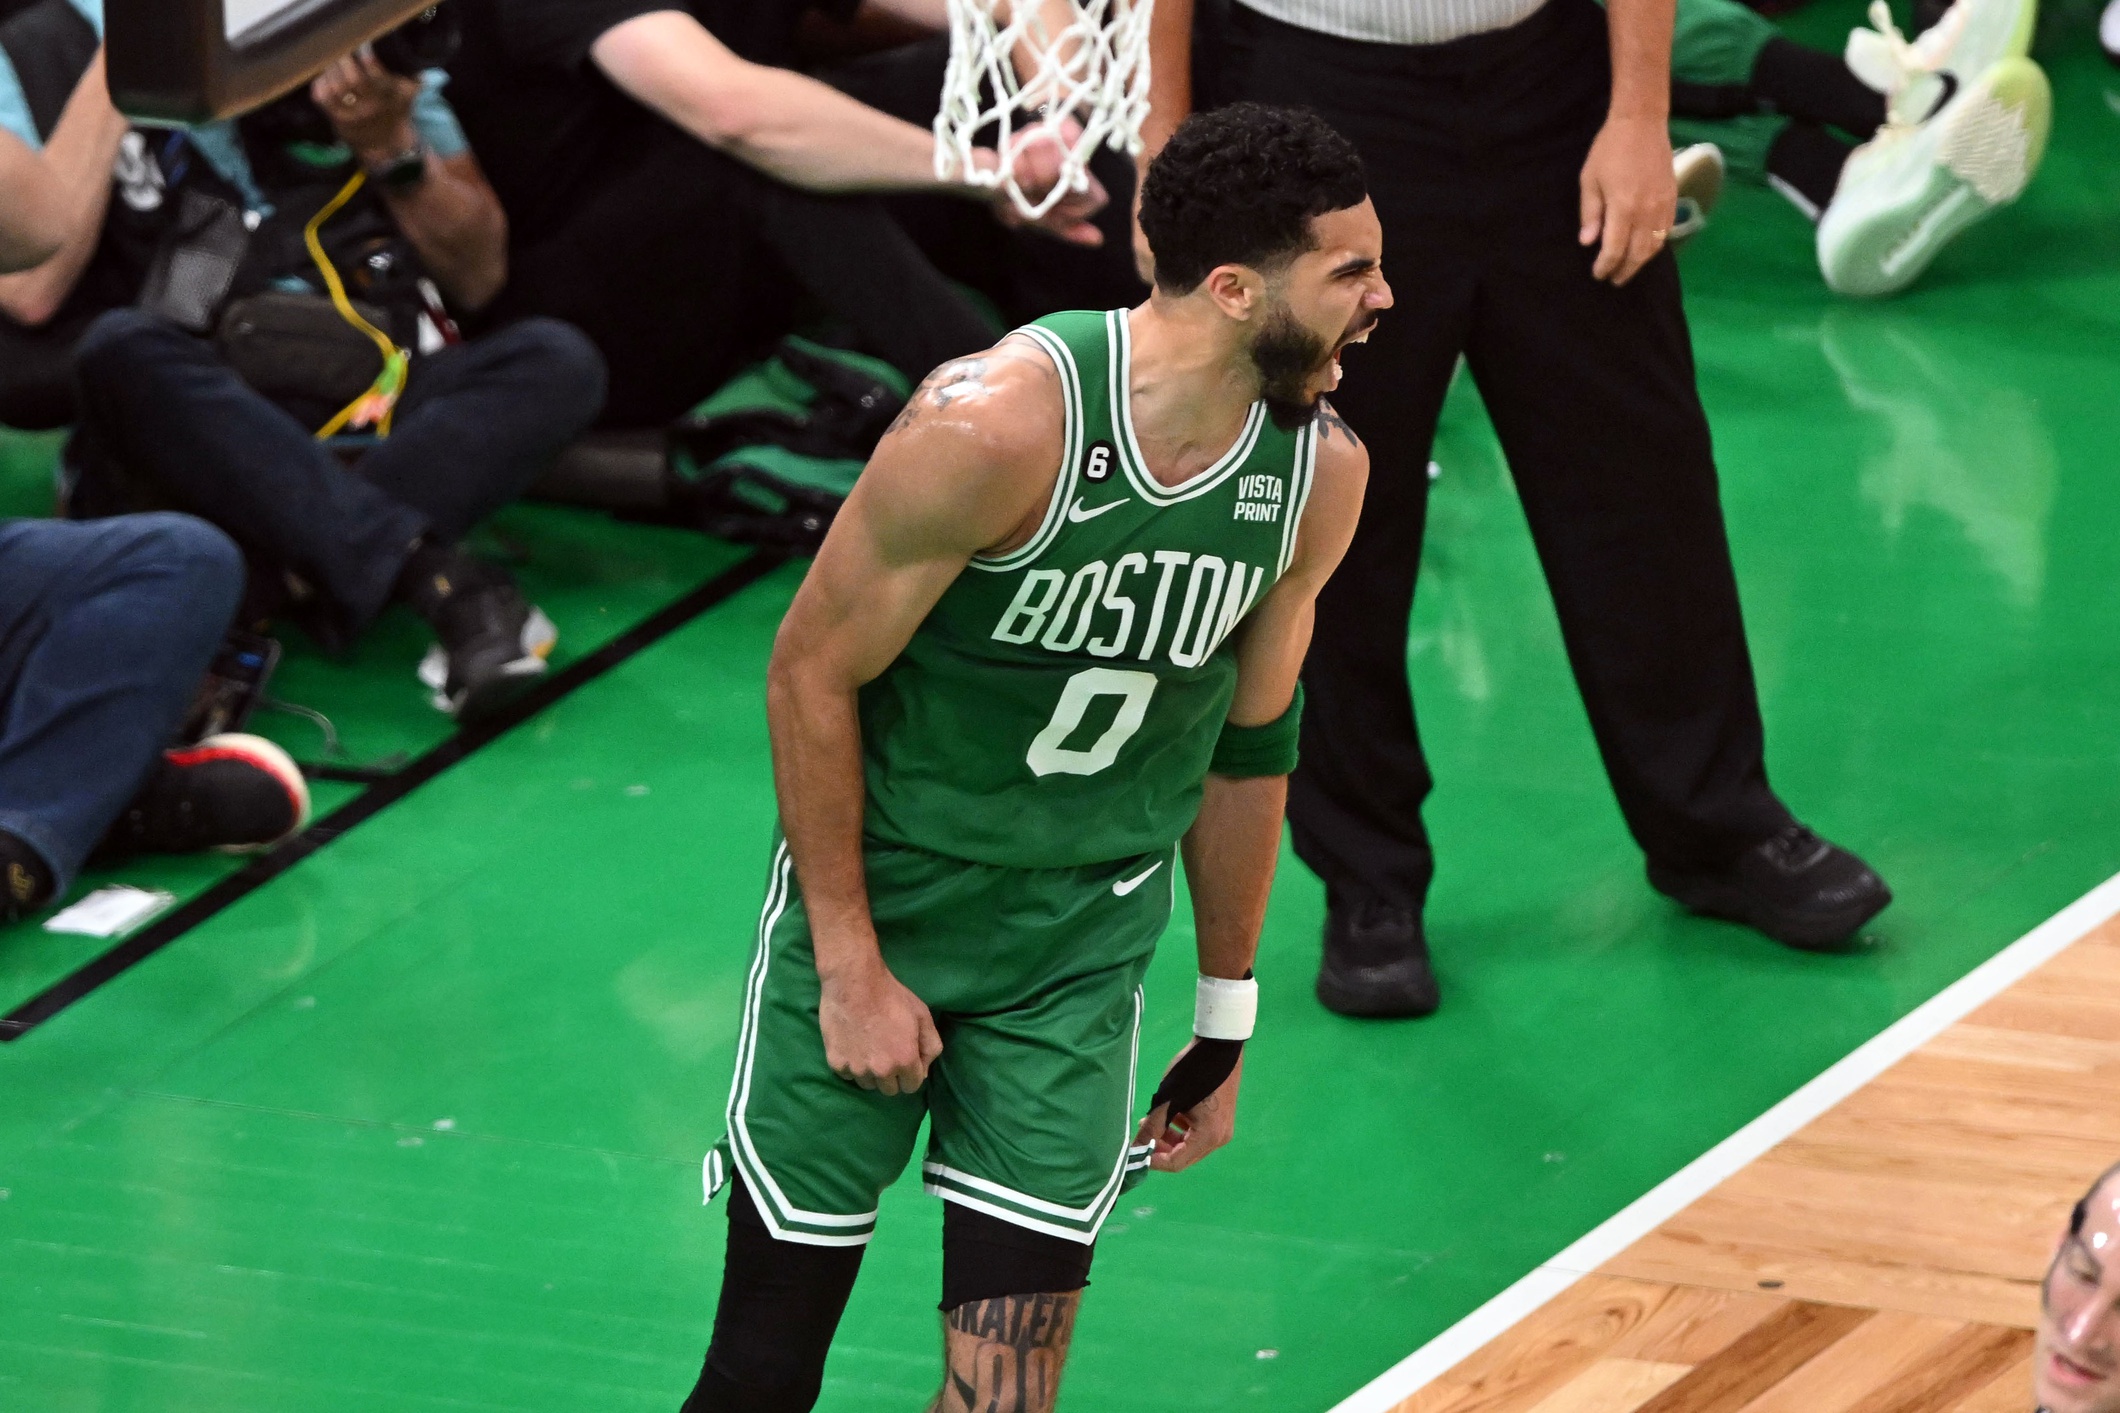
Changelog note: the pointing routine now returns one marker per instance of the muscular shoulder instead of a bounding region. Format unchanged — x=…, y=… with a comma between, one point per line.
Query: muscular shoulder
x=1335, y=504
x=977, y=445
x=1004, y=400
x=1342, y=468
x=1338, y=446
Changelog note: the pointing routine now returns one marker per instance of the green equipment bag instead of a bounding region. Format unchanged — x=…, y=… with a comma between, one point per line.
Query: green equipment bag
x=770, y=458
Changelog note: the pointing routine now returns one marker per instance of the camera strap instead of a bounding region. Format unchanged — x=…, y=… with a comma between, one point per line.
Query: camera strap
x=375, y=407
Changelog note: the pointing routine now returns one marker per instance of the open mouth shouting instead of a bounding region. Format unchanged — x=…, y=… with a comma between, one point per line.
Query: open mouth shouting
x=1357, y=333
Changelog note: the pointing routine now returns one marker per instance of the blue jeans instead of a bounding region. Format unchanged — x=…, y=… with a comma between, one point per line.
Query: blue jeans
x=105, y=631
x=479, y=421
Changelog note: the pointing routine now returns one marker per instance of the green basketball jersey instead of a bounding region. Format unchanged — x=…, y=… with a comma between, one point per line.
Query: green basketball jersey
x=1060, y=703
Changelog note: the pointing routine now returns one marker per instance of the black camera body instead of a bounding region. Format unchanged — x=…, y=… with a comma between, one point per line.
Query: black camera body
x=429, y=40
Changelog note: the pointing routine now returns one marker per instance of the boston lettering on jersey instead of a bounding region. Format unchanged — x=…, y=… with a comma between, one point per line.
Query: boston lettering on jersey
x=1060, y=703
x=1216, y=597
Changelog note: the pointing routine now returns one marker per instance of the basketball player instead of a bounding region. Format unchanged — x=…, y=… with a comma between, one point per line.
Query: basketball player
x=1055, y=631
x=2077, y=1366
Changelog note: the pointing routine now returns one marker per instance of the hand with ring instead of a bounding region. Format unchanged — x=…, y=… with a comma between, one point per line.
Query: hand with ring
x=369, y=106
x=1629, y=196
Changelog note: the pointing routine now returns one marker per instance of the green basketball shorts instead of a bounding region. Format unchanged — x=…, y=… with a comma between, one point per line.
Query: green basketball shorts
x=1034, y=979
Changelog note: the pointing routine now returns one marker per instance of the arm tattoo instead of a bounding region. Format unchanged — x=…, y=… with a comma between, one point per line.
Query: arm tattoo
x=945, y=385
x=1005, y=1355
x=1329, y=421
x=956, y=381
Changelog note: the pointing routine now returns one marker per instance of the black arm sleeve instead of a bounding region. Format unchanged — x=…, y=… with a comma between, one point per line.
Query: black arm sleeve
x=1198, y=1073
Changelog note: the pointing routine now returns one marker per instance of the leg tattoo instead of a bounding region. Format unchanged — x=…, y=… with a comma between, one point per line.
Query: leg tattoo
x=1004, y=1355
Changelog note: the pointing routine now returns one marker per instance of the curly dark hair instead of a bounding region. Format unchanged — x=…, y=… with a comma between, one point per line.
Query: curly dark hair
x=1239, y=186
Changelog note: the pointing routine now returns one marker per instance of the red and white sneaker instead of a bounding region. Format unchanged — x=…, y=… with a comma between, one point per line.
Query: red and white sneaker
x=233, y=792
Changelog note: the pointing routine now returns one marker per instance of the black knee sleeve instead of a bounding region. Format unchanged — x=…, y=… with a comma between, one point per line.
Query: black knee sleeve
x=780, y=1303
x=984, y=1257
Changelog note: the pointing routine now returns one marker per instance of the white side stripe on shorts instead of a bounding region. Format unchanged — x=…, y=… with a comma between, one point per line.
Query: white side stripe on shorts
x=781, y=1216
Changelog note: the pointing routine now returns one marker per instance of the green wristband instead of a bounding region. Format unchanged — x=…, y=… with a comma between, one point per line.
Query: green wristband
x=1247, y=751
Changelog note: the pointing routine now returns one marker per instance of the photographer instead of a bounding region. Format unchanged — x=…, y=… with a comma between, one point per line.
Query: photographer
x=71, y=140
x=105, y=630
x=291, y=369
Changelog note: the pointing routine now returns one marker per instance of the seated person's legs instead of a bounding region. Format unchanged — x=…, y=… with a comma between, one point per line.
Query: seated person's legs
x=105, y=630
x=1768, y=102
x=37, y=374
x=686, y=264
x=654, y=266
x=670, y=261
x=477, y=425
x=480, y=420
x=165, y=407
x=1812, y=125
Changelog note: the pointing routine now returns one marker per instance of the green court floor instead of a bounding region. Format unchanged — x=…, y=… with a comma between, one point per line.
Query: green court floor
x=596, y=578
x=418, y=1125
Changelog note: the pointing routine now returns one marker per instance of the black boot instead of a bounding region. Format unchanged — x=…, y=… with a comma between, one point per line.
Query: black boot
x=1376, y=962
x=1796, y=888
x=492, y=642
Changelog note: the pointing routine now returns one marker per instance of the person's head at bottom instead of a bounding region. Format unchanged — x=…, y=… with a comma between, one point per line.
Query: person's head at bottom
x=2077, y=1367
x=1264, y=239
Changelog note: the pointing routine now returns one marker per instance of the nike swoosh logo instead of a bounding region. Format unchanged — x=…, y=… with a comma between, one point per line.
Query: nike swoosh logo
x=1127, y=885
x=1076, y=514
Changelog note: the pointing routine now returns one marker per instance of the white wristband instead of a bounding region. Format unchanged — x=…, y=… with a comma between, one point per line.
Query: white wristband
x=1226, y=1010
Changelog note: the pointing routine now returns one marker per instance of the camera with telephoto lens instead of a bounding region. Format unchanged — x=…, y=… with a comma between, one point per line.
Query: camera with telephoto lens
x=290, y=138
x=429, y=40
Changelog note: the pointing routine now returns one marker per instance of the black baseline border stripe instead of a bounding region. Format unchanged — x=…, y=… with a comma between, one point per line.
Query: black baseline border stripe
x=378, y=797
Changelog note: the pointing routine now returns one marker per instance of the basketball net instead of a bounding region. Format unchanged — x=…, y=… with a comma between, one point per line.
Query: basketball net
x=1083, y=85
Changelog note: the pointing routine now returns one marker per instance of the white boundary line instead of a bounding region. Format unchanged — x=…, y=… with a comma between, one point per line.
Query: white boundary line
x=1664, y=1201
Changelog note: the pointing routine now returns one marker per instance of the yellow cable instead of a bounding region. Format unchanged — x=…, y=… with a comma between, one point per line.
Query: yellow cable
x=391, y=381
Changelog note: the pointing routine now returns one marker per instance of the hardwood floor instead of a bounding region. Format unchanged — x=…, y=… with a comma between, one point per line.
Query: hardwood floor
x=1884, y=1259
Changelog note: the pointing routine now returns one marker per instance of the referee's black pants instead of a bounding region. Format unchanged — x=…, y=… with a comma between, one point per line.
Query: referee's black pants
x=1473, y=150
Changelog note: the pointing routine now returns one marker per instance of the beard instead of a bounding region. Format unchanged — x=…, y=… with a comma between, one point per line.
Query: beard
x=1290, y=360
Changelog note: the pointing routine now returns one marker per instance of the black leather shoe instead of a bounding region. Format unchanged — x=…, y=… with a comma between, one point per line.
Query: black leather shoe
x=1376, y=963
x=1796, y=888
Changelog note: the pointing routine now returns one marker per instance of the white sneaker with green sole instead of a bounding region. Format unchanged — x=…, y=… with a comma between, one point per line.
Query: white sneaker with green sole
x=1918, y=76
x=1908, y=192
